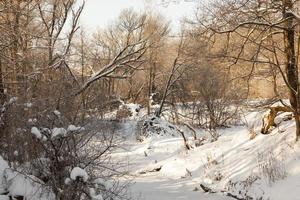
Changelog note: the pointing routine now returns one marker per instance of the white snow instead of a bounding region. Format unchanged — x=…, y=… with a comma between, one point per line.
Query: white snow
x=100, y=181
x=134, y=109
x=32, y=121
x=74, y=128
x=56, y=112
x=58, y=132
x=3, y=167
x=67, y=181
x=232, y=158
x=28, y=104
x=4, y=197
x=20, y=184
x=36, y=132
x=26, y=185
x=234, y=163
x=12, y=100
x=79, y=172
x=94, y=195
x=97, y=197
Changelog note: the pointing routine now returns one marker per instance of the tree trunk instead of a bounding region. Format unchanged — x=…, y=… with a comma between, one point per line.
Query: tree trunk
x=3, y=125
x=168, y=86
x=149, y=91
x=297, y=127
x=162, y=102
x=291, y=65
x=151, y=86
x=2, y=94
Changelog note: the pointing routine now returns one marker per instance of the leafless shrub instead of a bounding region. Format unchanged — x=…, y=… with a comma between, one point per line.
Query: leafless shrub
x=211, y=169
x=216, y=104
x=123, y=113
x=242, y=189
x=270, y=167
x=61, y=146
x=152, y=125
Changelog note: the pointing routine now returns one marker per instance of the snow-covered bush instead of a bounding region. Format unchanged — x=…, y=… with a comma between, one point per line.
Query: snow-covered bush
x=123, y=113
x=152, y=125
x=17, y=184
x=128, y=111
x=67, y=159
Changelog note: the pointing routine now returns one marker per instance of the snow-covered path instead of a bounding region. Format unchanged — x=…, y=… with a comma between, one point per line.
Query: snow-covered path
x=155, y=188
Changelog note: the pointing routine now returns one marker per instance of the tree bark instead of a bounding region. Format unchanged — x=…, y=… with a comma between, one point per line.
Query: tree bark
x=291, y=65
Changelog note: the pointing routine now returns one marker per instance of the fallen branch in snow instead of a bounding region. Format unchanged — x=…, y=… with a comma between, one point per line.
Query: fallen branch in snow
x=157, y=169
x=214, y=135
x=207, y=189
x=234, y=196
x=200, y=141
x=188, y=172
x=192, y=129
x=186, y=144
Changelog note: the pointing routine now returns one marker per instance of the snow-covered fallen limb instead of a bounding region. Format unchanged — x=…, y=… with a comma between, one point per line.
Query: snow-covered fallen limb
x=156, y=169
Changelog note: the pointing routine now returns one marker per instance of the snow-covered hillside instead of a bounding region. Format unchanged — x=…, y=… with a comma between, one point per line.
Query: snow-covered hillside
x=266, y=167
x=236, y=166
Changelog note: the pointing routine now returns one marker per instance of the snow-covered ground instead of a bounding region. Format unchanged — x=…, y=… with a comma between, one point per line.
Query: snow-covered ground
x=267, y=166
x=156, y=188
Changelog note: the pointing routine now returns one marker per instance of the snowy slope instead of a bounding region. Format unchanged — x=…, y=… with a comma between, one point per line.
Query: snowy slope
x=232, y=164
x=16, y=183
x=266, y=167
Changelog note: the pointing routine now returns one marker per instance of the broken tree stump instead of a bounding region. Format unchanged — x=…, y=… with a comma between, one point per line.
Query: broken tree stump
x=269, y=119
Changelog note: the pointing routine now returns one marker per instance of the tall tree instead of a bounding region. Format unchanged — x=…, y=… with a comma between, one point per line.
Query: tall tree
x=259, y=27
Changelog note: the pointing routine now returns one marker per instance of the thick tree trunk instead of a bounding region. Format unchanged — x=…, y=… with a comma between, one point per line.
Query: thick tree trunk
x=2, y=94
x=3, y=125
x=297, y=127
x=291, y=65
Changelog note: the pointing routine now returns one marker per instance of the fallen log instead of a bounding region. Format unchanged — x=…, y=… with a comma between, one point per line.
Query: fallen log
x=236, y=197
x=207, y=189
x=192, y=129
x=185, y=141
x=156, y=169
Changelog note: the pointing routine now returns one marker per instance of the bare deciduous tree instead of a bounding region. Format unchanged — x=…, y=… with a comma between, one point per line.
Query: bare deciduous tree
x=178, y=68
x=130, y=44
x=269, y=30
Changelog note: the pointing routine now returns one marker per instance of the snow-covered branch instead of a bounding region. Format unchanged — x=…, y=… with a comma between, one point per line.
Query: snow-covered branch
x=130, y=55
